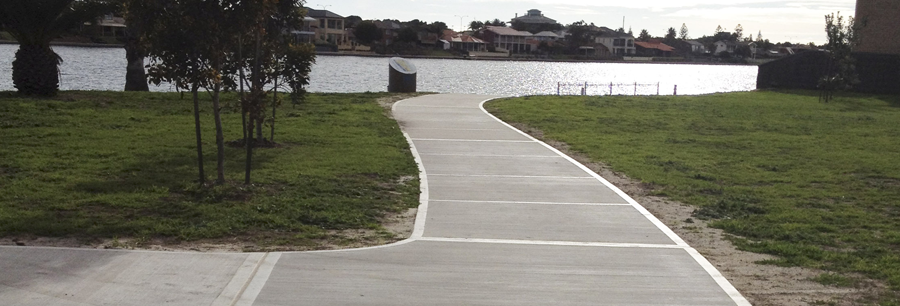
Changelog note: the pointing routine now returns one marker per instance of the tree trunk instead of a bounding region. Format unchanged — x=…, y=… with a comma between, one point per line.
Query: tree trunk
x=135, y=77
x=274, y=107
x=220, y=136
x=197, y=130
x=36, y=70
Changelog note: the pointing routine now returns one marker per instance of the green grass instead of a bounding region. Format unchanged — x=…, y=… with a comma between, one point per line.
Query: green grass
x=817, y=185
x=99, y=165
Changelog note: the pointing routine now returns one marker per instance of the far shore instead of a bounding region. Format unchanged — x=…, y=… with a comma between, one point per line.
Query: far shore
x=508, y=59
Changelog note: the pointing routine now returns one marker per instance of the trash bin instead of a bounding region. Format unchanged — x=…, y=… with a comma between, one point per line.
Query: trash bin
x=402, y=75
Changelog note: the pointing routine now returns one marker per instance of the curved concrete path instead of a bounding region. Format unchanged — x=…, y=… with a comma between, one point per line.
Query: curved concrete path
x=504, y=220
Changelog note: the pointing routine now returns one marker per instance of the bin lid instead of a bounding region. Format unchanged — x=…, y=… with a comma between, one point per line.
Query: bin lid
x=402, y=65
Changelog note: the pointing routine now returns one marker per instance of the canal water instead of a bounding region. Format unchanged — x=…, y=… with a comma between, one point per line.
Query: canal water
x=104, y=69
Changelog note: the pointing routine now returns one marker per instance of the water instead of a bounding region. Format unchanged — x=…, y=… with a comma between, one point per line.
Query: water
x=104, y=69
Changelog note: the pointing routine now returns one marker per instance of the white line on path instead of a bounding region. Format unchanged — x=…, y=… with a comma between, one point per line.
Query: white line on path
x=533, y=203
x=723, y=283
x=559, y=243
x=514, y=176
x=491, y=155
x=470, y=140
x=259, y=278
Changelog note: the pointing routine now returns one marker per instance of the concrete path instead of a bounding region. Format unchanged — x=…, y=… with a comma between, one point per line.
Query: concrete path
x=504, y=220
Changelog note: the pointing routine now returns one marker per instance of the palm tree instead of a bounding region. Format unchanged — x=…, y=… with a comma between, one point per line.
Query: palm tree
x=33, y=23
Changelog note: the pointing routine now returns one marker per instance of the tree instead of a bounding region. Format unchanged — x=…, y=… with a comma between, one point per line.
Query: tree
x=496, y=23
x=629, y=31
x=476, y=25
x=436, y=27
x=644, y=36
x=33, y=23
x=759, y=36
x=408, y=34
x=738, y=32
x=135, y=49
x=841, y=71
x=683, y=34
x=579, y=35
x=670, y=35
x=366, y=32
x=351, y=21
x=719, y=29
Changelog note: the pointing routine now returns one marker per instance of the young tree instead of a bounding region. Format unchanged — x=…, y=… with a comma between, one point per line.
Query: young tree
x=33, y=23
x=719, y=29
x=841, y=71
x=644, y=36
x=683, y=34
x=436, y=27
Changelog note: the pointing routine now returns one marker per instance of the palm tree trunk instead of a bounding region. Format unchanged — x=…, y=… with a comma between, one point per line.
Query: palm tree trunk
x=135, y=77
x=36, y=70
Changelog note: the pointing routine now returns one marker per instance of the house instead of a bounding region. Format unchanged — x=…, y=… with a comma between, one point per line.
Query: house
x=461, y=42
x=696, y=47
x=390, y=30
x=330, y=27
x=533, y=16
x=724, y=46
x=653, y=48
x=546, y=36
x=306, y=33
x=880, y=35
x=618, y=43
x=109, y=26
x=507, y=38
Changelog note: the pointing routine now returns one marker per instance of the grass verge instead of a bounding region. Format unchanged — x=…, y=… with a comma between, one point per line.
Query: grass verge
x=104, y=165
x=817, y=185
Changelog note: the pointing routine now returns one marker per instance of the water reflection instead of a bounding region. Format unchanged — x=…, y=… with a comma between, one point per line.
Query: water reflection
x=104, y=69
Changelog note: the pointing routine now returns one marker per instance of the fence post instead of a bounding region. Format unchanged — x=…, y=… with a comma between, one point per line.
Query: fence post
x=657, y=88
x=585, y=88
x=676, y=90
x=635, y=89
x=610, y=88
x=557, y=88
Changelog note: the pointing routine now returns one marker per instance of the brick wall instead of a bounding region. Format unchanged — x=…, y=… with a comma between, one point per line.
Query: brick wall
x=881, y=33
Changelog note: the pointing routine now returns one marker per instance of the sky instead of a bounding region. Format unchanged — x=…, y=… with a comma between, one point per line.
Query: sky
x=797, y=21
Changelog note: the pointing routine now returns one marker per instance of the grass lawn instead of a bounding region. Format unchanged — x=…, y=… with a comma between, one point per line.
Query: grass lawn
x=816, y=184
x=100, y=165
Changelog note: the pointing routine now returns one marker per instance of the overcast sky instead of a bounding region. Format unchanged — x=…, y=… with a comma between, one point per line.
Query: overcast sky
x=798, y=21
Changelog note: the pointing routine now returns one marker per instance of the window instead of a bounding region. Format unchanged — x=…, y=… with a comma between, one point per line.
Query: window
x=619, y=42
x=631, y=42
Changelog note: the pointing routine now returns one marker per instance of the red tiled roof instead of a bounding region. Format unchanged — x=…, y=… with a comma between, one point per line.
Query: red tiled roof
x=507, y=31
x=654, y=45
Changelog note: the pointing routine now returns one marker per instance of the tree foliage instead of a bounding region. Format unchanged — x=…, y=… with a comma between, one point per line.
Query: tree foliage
x=738, y=32
x=476, y=25
x=670, y=35
x=366, y=32
x=683, y=34
x=644, y=36
x=841, y=70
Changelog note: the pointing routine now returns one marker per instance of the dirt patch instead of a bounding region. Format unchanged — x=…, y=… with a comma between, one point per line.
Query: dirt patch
x=761, y=284
x=395, y=227
x=388, y=102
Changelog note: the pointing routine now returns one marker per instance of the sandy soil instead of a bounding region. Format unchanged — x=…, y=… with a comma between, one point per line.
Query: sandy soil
x=760, y=284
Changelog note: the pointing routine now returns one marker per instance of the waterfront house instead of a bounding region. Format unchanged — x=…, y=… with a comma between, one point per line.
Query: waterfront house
x=330, y=27
x=107, y=26
x=507, y=38
x=618, y=43
x=533, y=16
x=461, y=42
x=390, y=30
x=306, y=33
x=653, y=48
x=546, y=36
x=724, y=46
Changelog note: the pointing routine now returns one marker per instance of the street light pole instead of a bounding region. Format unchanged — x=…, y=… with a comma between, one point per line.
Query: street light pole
x=461, y=22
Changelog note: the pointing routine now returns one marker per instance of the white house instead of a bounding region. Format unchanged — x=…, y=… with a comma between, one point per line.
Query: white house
x=618, y=43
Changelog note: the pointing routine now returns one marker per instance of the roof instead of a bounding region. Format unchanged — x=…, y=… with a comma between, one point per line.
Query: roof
x=387, y=24
x=534, y=19
x=654, y=45
x=322, y=14
x=694, y=43
x=451, y=36
x=607, y=32
x=507, y=31
x=547, y=34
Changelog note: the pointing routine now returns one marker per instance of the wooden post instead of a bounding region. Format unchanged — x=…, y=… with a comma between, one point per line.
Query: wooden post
x=610, y=88
x=657, y=88
x=557, y=88
x=635, y=89
x=676, y=90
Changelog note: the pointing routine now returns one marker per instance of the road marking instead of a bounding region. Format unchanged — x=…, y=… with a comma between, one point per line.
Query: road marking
x=438, y=106
x=471, y=140
x=239, y=282
x=452, y=129
x=513, y=176
x=557, y=243
x=259, y=278
x=534, y=203
x=491, y=155
x=723, y=283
